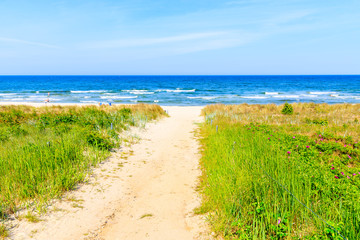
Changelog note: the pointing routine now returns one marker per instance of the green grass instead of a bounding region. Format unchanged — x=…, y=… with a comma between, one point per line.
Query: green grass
x=249, y=168
x=46, y=151
x=3, y=232
x=30, y=217
x=146, y=215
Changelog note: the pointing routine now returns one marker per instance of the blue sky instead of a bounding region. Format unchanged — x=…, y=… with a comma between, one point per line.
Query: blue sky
x=180, y=37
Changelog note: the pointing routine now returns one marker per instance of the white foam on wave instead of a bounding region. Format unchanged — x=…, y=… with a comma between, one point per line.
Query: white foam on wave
x=13, y=99
x=55, y=99
x=40, y=97
x=322, y=93
x=138, y=92
x=89, y=91
x=308, y=96
x=118, y=97
x=205, y=98
x=287, y=96
x=271, y=93
x=7, y=94
x=177, y=90
x=89, y=101
x=229, y=96
x=36, y=97
x=346, y=97
x=254, y=97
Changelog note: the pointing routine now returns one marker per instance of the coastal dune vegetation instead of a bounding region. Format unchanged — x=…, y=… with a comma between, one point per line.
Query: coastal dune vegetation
x=281, y=172
x=45, y=151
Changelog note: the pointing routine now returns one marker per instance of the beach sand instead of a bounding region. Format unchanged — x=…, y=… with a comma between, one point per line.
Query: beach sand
x=145, y=191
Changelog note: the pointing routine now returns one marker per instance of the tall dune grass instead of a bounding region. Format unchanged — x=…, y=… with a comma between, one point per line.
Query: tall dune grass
x=46, y=151
x=272, y=176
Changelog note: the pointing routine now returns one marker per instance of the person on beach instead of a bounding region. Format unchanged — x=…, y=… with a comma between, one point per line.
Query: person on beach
x=48, y=99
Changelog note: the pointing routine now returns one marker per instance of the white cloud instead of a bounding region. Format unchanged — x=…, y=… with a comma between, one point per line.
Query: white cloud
x=19, y=41
x=231, y=40
x=138, y=42
x=145, y=48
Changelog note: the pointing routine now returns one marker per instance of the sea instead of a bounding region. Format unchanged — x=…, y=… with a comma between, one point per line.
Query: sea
x=181, y=90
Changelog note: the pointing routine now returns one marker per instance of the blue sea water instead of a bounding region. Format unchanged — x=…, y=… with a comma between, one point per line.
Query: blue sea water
x=181, y=90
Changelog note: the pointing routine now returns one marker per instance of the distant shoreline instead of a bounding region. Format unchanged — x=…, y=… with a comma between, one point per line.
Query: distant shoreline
x=180, y=90
x=37, y=104
x=49, y=104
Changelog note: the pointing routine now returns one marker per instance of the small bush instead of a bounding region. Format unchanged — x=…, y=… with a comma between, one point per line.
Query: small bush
x=323, y=122
x=69, y=118
x=125, y=111
x=287, y=109
x=94, y=138
x=4, y=134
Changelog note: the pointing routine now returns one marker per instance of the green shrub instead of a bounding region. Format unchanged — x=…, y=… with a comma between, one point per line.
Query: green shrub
x=323, y=122
x=68, y=118
x=4, y=134
x=287, y=109
x=125, y=111
x=98, y=140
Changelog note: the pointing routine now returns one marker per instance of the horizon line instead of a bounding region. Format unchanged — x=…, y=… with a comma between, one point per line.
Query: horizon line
x=2, y=75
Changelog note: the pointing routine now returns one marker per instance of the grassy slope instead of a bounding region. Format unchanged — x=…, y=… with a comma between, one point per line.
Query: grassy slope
x=46, y=151
x=258, y=153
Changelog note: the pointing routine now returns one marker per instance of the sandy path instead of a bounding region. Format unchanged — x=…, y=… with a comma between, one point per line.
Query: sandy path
x=151, y=196
x=164, y=188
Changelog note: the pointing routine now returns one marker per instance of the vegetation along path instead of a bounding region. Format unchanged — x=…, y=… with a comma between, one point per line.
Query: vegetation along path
x=147, y=194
